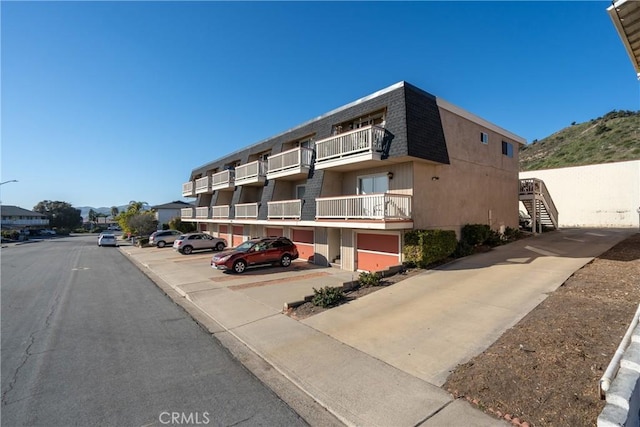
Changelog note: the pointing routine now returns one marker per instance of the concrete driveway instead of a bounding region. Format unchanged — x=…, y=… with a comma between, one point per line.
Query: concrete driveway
x=428, y=324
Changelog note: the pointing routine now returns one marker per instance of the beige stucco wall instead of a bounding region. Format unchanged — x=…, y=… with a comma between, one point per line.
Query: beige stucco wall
x=479, y=186
x=605, y=195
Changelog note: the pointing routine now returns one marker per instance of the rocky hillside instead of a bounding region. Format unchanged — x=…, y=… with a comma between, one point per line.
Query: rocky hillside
x=613, y=137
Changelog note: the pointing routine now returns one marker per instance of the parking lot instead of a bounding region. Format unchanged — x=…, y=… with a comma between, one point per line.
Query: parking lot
x=273, y=286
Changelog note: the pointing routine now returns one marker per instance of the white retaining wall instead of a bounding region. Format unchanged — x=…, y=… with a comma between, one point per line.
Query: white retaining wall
x=623, y=397
x=605, y=195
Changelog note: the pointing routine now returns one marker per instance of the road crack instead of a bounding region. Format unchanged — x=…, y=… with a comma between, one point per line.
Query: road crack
x=27, y=352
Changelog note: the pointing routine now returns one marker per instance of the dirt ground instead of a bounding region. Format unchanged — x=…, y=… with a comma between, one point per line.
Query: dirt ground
x=545, y=370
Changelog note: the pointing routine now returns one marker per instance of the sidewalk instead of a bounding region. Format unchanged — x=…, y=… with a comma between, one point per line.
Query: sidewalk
x=379, y=360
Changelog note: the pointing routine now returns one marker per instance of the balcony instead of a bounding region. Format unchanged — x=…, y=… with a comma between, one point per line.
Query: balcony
x=202, y=212
x=386, y=207
x=285, y=209
x=220, y=212
x=203, y=185
x=187, y=213
x=291, y=164
x=223, y=180
x=188, y=189
x=254, y=173
x=351, y=150
x=247, y=211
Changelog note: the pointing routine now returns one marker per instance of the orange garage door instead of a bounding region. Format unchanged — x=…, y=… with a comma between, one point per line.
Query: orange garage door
x=238, y=235
x=303, y=238
x=377, y=252
x=223, y=232
x=271, y=231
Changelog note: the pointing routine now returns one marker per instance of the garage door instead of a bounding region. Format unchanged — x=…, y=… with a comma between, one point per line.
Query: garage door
x=377, y=252
x=238, y=235
x=271, y=231
x=303, y=238
x=223, y=232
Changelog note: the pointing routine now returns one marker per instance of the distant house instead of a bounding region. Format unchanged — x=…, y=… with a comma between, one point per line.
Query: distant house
x=14, y=217
x=166, y=212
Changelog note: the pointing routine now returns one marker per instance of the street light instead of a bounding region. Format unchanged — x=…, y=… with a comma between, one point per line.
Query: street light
x=6, y=182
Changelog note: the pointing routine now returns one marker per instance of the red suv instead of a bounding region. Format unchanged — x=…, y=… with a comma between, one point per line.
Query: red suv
x=266, y=250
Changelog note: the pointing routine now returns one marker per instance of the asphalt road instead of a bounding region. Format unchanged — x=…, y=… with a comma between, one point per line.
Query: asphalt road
x=87, y=339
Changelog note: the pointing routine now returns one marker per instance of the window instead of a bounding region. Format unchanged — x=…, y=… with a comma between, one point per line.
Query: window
x=375, y=118
x=484, y=138
x=507, y=149
x=373, y=184
x=300, y=191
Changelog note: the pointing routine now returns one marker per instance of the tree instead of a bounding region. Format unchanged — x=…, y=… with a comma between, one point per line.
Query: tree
x=114, y=211
x=142, y=224
x=60, y=214
x=136, y=227
x=177, y=224
x=92, y=216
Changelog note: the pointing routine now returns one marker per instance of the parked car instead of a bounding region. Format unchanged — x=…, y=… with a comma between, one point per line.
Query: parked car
x=161, y=238
x=261, y=251
x=107, y=239
x=47, y=232
x=524, y=219
x=114, y=228
x=187, y=243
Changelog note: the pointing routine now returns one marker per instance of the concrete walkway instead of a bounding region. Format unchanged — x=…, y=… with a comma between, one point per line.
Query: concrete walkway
x=380, y=360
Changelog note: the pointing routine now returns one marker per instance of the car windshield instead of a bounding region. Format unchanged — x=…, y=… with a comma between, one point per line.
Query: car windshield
x=245, y=246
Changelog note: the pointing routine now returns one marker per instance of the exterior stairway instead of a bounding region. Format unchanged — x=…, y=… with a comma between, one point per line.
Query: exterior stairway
x=539, y=204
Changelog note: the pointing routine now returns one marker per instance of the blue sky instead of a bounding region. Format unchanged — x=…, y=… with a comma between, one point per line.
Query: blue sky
x=108, y=102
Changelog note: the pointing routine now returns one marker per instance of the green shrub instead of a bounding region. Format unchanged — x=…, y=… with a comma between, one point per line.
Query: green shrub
x=11, y=234
x=494, y=239
x=511, y=234
x=426, y=247
x=142, y=241
x=327, y=296
x=463, y=249
x=79, y=230
x=475, y=234
x=369, y=279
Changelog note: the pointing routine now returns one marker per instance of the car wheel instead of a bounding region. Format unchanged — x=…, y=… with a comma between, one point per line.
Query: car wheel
x=219, y=246
x=239, y=266
x=187, y=250
x=161, y=244
x=285, y=261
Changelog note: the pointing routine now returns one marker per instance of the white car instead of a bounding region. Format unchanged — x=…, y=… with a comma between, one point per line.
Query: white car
x=187, y=243
x=107, y=239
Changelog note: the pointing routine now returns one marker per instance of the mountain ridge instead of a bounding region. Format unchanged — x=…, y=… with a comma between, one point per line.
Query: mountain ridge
x=614, y=137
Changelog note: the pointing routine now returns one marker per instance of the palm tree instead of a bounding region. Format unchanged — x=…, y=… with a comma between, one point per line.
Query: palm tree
x=114, y=211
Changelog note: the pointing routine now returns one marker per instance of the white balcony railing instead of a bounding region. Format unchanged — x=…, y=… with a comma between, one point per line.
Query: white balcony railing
x=222, y=180
x=202, y=212
x=188, y=189
x=24, y=221
x=220, y=212
x=284, y=209
x=367, y=206
x=364, y=140
x=203, y=185
x=251, y=172
x=296, y=158
x=247, y=211
x=187, y=213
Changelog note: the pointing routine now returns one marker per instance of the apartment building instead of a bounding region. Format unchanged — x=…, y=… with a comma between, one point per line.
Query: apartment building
x=347, y=185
